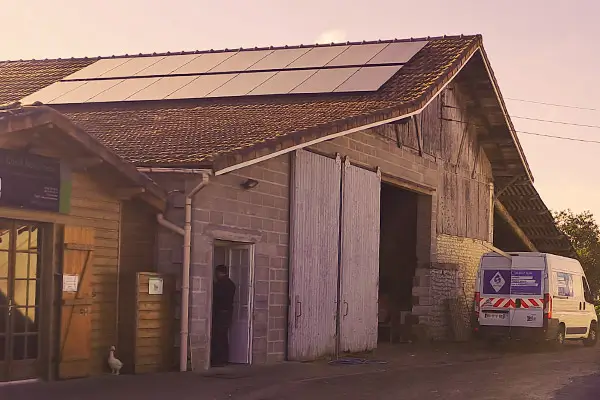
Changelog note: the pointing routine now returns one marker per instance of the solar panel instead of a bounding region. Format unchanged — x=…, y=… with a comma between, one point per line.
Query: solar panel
x=131, y=67
x=283, y=82
x=51, y=92
x=399, y=52
x=318, y=57
x=123, y=90
x=325, y=80
x=204, y=63
x=162, y=88
x=368, y=79
x=86, y=91
x=357, y=54
x=167, y=65
x=241, y=84
x=98, y=68
x=241, y=61
x=279, y=59
x=201, y=86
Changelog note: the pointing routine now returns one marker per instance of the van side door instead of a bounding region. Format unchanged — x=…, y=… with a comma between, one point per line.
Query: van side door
x=589, y=302
x=565, y=305
x=582, y=317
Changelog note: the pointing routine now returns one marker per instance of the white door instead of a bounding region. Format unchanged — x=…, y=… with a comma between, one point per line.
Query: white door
x=527, y=277
x=240, y=333
x=589, y=308
x=565, y=306
x=314, y=228
x=360, y=259
x=582, y=322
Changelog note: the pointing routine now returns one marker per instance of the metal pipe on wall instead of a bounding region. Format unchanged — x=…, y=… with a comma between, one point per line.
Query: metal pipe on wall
x=185, y=279
x=186, y=232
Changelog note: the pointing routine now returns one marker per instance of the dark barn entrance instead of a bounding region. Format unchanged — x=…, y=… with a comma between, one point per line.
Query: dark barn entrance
x=398, y=260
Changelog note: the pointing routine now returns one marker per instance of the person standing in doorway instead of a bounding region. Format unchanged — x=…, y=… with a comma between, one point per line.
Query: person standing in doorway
x=222, y=313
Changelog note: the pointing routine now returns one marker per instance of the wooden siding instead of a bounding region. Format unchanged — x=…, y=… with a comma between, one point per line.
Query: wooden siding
x=138, y=232
x=95, y=208
x=154, y=325
x=464, y=189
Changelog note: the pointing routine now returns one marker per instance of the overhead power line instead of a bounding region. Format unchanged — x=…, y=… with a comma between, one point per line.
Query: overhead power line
x=532, y=133
x=560, y=137
x=552, y=104
x=556, y=122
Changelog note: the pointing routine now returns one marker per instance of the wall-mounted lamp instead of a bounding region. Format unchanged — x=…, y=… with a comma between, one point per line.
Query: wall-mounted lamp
x=249, y=184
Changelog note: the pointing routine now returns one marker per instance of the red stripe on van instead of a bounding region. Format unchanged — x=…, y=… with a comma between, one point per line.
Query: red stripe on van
x=534, y=302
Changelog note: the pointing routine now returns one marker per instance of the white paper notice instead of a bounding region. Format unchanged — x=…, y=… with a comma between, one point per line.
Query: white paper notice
x=155, y=286
x=70, y=283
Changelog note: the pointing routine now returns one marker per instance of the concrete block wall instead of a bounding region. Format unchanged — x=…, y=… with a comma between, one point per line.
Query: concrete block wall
x=223, y=210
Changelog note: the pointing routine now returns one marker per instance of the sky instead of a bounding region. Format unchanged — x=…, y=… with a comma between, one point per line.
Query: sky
x=543, y=51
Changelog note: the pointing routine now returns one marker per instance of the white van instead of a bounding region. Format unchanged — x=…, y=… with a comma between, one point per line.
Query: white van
x=533, y=296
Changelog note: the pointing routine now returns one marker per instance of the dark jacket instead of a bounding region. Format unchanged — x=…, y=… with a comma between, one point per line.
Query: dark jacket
x=223, y=293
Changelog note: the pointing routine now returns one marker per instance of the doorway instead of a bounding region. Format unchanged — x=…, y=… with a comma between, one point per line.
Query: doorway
x=238, y=257
x=20, y=259
x=397, y=261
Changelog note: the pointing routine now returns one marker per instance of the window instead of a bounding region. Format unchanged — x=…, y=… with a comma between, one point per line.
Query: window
x=564, y=284
x=587, y=293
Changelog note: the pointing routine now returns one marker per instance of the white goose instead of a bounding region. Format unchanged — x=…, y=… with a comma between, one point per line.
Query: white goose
x=114, y=363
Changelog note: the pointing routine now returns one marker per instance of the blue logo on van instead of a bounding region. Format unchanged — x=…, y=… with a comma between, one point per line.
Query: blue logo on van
x=517, y=281
x=496, y=281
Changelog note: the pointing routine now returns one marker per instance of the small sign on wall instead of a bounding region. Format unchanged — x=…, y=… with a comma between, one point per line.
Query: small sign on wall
x=70, y=283
x=155, y=286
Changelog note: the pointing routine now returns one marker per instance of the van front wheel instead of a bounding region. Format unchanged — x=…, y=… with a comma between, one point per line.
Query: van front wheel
x=592, y=338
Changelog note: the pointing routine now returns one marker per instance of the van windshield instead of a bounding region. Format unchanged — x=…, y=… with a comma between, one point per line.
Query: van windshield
x=523, y=282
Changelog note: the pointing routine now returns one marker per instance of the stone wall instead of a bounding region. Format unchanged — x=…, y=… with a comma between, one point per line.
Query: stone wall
x=453, y=276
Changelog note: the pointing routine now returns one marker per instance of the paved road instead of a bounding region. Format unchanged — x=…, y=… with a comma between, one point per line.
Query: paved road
x=522, y=374
x=570, y=374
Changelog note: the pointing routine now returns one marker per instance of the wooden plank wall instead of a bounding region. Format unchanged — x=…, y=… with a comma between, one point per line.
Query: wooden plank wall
x=138, y=232
x=155, y=328
x=465, y=173
x=101, y=211
x=464, y=200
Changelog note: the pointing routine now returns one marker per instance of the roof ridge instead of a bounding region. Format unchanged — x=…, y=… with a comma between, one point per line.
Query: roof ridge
x=184, y=52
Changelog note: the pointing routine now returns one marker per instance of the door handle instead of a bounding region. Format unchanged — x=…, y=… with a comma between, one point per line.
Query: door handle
x=346, y=312
x=298, y=311
x=579, y=306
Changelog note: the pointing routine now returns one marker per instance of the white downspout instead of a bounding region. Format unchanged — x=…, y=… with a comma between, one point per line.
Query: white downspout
x=185, y=279
x=186, y=232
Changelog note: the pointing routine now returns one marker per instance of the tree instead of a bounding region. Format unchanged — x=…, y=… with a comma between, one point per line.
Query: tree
x=584, y=233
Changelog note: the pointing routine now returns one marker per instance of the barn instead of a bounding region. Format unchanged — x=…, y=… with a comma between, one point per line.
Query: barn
x=350, y=188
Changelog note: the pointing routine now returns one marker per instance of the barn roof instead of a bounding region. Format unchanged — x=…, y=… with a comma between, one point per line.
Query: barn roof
x=221, y=130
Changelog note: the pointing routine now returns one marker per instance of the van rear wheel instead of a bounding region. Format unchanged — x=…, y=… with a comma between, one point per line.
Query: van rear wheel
x=592, y=338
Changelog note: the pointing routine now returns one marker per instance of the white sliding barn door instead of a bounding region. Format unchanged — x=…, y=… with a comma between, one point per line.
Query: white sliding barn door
x=360, y=259
x=313, y=290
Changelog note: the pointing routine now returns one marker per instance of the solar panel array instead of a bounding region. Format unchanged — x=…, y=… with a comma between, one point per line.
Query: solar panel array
x=330, y=69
